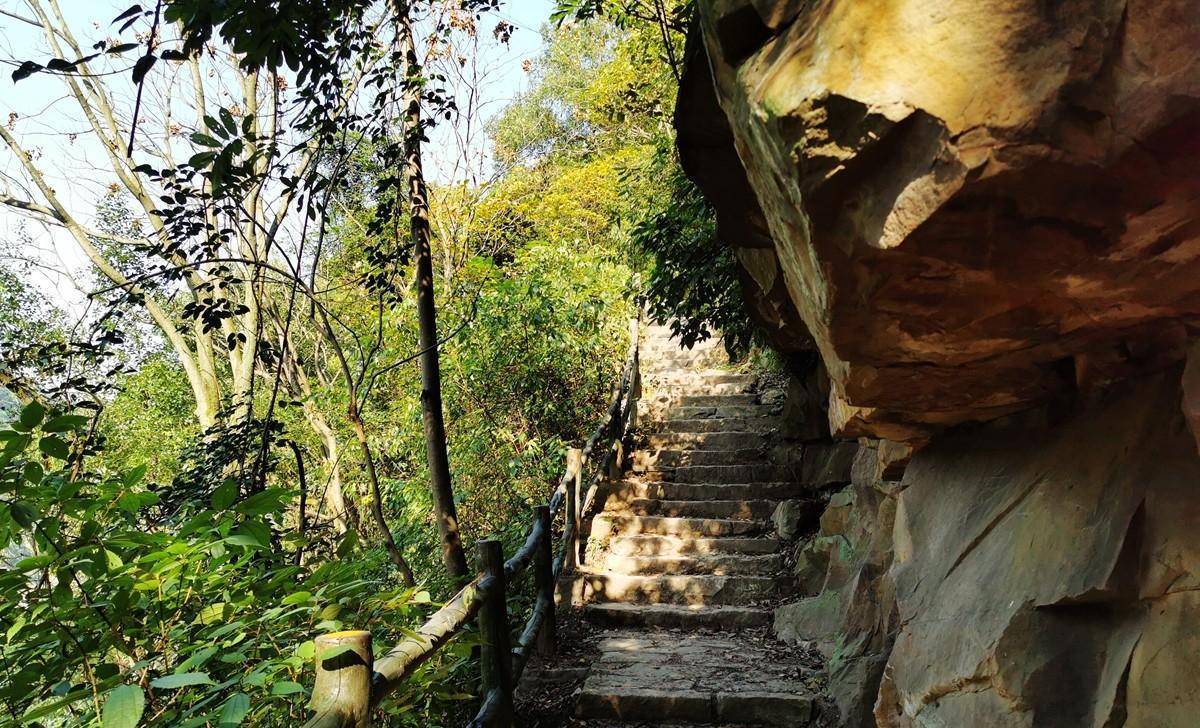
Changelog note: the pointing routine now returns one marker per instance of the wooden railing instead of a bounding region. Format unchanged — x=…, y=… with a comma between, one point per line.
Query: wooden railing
x=350, y=683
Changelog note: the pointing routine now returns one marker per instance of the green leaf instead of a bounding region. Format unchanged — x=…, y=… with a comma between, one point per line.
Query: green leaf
x=258, y=530
x=33, y=473
x=286, y=688
x=134, y=476
x=230, y=123
x=260, y=503
x=346, y=545
x=242, y=539
x=32, y=563
x=233, y=712
x=16, y=627
x=299, y=597
x=205, y=140
x=199, y=658
x=182, y=680
x=224, y=495
x=212, y=614
x=31, y=416
x=23, y=513
x=134, y=502
x=201, y=160
x=123, y=707
x=112, y=560
x=65, y=423
x=54, y=447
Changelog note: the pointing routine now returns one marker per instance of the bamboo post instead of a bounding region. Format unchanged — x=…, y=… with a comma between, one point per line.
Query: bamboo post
x=575, y=468
x=496, y=653
x=342, y=692
x=543, y=572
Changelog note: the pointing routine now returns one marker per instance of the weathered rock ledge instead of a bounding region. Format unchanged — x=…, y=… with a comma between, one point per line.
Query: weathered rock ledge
x=972, y=207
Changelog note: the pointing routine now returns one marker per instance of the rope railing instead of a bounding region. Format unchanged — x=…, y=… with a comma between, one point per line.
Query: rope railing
x=350, y=684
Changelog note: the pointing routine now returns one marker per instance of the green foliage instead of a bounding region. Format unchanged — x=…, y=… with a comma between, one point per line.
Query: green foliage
x=150, y=421
x=694, y=283
x=108, y=613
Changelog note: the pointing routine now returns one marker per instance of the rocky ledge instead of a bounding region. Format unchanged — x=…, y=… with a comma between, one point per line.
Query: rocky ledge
x=969, y=207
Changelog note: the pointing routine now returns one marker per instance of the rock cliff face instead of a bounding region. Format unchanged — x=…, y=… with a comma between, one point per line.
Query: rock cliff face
x=974, y=206
x=984, y=215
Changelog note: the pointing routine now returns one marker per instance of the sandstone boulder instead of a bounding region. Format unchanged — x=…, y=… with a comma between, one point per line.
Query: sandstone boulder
x=973, y=206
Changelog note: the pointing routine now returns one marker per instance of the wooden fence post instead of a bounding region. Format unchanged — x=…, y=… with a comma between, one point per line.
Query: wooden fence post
x=543, y=572
x=574, y=492
x=496, y=653
x=342, y=692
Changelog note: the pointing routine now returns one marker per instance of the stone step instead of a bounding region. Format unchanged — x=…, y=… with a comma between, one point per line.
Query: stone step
x=651, y=545
x=739, y=510
x=766, y=473
x=686, y=361
x=698, y=412
x=705, y=376
x=724, y=424
x=673, y=458
x=727, y=439
x=710, y=564
x=664, y=676
x=676, y=457
x=628, y=490
x=695, y=589
x=655, y=349
x=652, y=391
x=673, y=616
x=605, y=525
x=717, y=400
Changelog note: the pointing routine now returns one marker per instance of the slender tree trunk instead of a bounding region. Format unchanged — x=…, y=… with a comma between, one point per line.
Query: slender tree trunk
x=431, y=376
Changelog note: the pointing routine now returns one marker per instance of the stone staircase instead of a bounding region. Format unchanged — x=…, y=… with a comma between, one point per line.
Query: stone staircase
x=682, y=566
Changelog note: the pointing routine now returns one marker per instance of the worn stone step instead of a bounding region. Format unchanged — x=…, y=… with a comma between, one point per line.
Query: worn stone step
x=739, y=510
x=705, y=376
x=723, y=424
x=698, y=589
x=605, y=525
x=674, y=390
x=651, y=545
x=690, y=360
x=655, y=350
x=767, y=473
x=705, y=412
x=633, y=489
x=674, y=616
x=727, y=439
x=713, y=564
x=673, y=457
x=724, y=678
x=741, y=708
x=717, y=400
